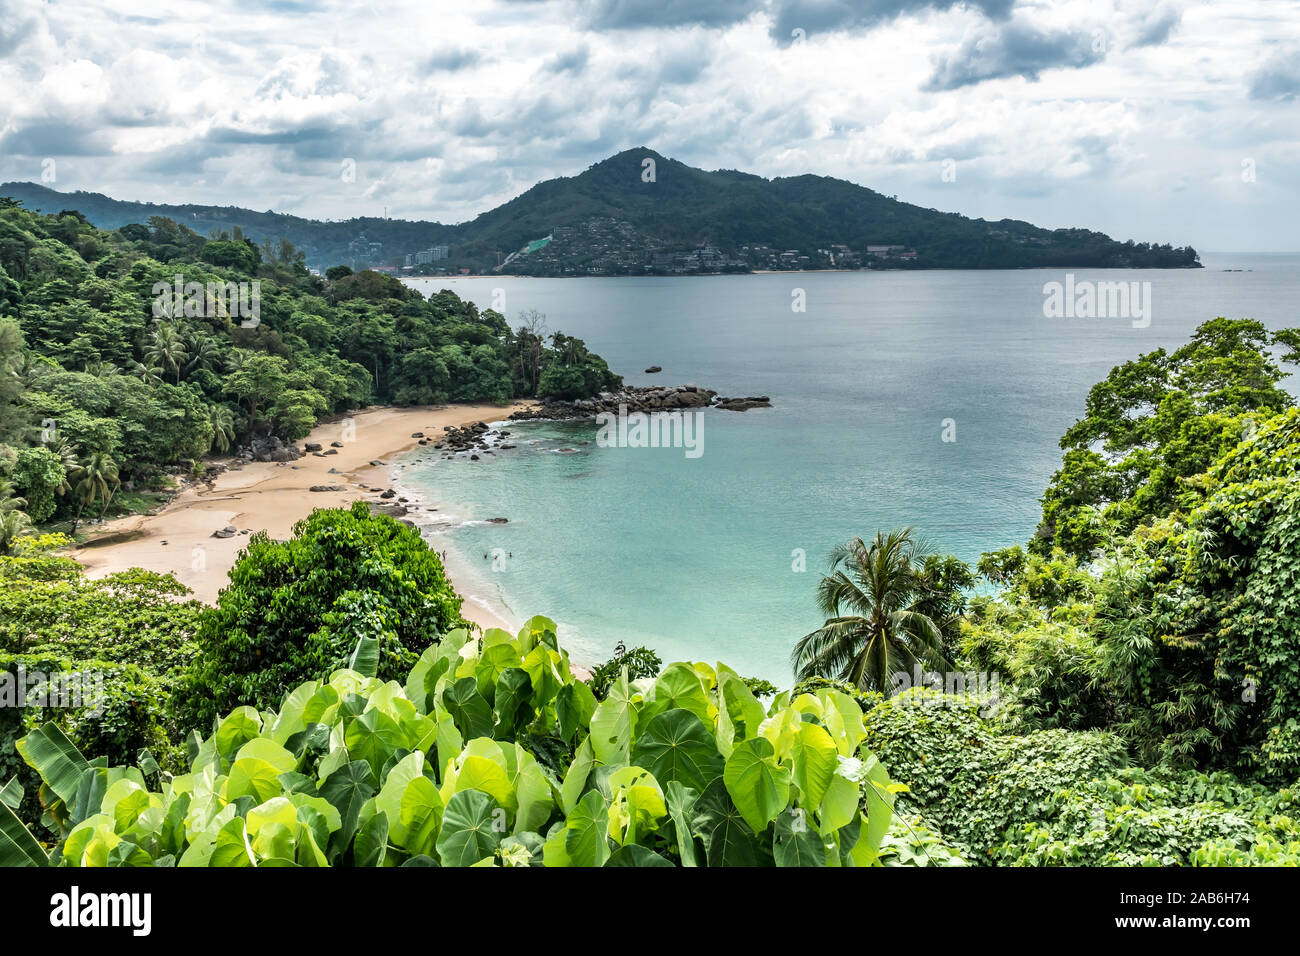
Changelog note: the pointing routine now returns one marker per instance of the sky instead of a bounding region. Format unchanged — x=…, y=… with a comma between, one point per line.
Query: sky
x=1155, y=120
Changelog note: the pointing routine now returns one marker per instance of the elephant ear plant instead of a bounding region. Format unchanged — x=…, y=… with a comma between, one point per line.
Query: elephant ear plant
x=492, y=754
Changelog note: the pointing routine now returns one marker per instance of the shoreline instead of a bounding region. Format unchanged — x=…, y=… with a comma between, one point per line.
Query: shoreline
x=273, y=496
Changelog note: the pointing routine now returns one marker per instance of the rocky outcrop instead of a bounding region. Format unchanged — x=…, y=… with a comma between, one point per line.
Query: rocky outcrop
x=641, y=399
x=474, y=437
x=654, y=369
x=743, y=404
x=328, y=488
x=269, y=448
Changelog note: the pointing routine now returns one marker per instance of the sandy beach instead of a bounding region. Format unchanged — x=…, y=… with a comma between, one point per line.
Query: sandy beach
x=271, y=497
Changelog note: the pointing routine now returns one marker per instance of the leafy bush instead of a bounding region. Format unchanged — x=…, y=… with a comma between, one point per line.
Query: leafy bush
x=1063, y=798
x=639, y=662
x=1142, y=818
x=296, y=609
x=128, y=628
x=491, y=753
x=970, y=782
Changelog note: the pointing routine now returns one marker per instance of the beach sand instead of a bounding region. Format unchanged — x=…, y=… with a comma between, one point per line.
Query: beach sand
x=271, y=497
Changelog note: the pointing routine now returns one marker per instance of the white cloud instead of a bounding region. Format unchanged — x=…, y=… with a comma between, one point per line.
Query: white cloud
x=1064, y=112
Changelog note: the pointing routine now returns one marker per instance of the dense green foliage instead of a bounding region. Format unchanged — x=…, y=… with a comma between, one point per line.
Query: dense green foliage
x=492, y=754
x=1056, y=797
x=127, y=628
x=1154, y=423
x=296, y=609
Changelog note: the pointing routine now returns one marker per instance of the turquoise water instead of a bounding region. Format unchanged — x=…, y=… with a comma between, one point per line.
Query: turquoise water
x=698, y=557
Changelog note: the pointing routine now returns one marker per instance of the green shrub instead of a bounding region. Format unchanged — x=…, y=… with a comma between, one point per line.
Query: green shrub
x=295, y=610
x=639, y=661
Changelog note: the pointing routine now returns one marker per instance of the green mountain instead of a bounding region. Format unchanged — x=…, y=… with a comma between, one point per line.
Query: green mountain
x=640, y=212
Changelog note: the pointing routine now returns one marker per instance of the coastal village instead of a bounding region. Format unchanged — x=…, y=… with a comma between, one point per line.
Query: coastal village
x=611, y=247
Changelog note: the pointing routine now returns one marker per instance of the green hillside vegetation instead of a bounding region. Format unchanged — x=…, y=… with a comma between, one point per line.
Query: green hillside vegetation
x=101, y=395
x=681, y=209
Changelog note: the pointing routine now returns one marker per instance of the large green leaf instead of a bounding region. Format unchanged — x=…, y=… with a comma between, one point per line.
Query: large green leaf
x=372, y=842
x=728, y=840
x=681, y=803
x=17, y=846
x=586, y=838
x=575, y=779
x=346, y=789
x=237, y=728
x=512, y=707
x=468, y=708
x=574, y=705
x=636, y=855
x=373, y=737
x=796, y=842
x=50, y=753
x=743, y=708
x=676, y=745
x=11, y=794
x=681, y=687
x=365, y=656
x=759, y=787
x=469, y=829
x=814, y=761
x=420, y=816
x=611, y=728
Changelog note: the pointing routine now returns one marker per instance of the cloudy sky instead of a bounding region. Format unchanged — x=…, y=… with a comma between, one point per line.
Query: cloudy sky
x=1164, y=120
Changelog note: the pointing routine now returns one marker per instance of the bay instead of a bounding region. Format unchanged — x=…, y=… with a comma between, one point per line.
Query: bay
x=701, y=558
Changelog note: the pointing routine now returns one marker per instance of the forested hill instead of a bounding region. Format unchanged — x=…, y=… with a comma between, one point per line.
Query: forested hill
x=129, y=352
x=639, y=212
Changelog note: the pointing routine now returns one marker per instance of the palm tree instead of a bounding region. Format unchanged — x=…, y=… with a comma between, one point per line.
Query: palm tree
x=203, y=354
x=223, y=427
x=8, y=500
x=102, y=369
x=872, y=627
x=13, y=525
x=94, y=480
x=13, y=520
x=166, y=349
x=62, y=446
x=145, y=373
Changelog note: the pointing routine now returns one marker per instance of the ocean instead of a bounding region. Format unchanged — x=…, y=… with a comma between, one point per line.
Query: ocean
x=930, y=399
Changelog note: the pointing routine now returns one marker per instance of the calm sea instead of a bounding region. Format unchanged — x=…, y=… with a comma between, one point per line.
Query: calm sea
x=701, y=557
